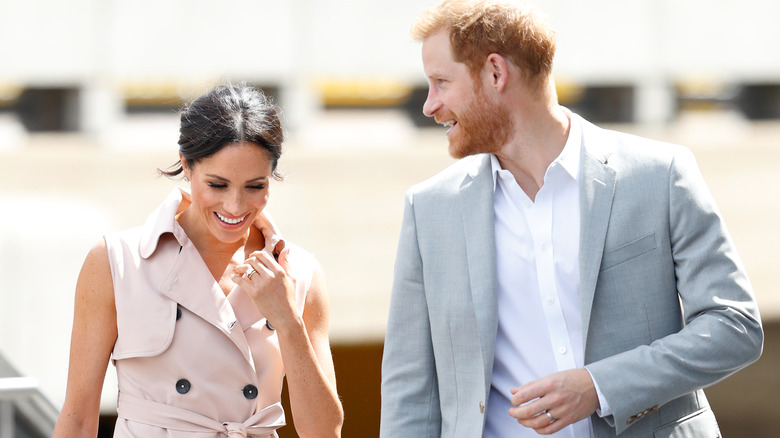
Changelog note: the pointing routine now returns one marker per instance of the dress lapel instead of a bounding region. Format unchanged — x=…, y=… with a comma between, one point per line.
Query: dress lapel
x=476, y=199
x=597, y=189
x=191, y=285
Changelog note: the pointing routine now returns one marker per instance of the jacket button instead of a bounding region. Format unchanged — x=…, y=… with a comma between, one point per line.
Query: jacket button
x=250, y=391
x=183, y=386
x=178, y=313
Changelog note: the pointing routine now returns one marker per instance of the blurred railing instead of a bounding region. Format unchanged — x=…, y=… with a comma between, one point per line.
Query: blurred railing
x=24, y=410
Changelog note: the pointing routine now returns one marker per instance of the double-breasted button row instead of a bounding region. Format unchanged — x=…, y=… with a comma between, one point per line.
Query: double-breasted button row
x=183, y=386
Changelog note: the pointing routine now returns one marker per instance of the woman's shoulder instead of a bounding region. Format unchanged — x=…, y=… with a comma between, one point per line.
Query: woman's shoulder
x=301, y=260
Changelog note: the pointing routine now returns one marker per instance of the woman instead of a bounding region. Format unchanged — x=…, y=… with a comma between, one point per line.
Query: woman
x=204, y=309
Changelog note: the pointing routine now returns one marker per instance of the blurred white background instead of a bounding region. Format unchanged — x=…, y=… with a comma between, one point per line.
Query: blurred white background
x=89, y=91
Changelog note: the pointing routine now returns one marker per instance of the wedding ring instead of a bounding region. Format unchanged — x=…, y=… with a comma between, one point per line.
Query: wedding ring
x=249, y=273
x=552, y=419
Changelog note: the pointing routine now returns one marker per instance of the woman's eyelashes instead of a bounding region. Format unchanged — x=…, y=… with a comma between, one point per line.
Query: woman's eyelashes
x=221, y=186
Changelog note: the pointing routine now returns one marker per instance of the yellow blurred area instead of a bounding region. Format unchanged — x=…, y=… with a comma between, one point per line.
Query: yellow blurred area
x=363, y=92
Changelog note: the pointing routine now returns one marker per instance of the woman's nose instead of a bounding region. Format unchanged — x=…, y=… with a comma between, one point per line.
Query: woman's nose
x=235, y=203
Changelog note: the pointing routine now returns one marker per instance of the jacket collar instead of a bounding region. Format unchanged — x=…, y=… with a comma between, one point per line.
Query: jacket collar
x=597, y=190
x=476, y=205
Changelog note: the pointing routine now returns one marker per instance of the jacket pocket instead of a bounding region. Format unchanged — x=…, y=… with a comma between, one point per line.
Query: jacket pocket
x=701, y=423
x=624, y=253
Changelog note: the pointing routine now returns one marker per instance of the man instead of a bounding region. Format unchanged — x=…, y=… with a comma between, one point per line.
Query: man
x=559, y=278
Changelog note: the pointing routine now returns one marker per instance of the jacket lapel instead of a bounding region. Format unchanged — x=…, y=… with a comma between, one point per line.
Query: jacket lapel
x=597, y=189
x=476, y=199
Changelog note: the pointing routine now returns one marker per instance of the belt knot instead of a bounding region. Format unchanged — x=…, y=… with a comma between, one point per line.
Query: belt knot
x=235, y=430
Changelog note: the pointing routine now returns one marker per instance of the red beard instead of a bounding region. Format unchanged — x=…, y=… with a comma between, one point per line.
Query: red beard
x=483, y=127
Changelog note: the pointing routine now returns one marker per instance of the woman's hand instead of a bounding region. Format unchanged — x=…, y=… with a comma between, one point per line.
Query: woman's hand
x=303, y=340
x=269, y=285
x=265, y=224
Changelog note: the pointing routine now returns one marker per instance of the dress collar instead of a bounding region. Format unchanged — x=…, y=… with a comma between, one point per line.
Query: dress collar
x=163, y=220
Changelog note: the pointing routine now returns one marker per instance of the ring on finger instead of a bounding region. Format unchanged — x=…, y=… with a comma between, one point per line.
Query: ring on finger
x=552, y=419
x=249, y=273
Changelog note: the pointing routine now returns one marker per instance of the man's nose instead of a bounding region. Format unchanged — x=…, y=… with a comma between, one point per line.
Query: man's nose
x=431, y=105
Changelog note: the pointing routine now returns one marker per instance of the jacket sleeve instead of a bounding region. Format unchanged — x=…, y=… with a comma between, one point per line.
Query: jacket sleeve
x=410, y=396
x=722, y=330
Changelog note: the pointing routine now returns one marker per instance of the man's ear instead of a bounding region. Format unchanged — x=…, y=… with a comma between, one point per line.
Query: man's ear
x=497, y=68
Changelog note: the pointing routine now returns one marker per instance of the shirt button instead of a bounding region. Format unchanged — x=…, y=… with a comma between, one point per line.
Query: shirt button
x=250, y=391
x=562, y=350
x=183, y=386
x=550, y=300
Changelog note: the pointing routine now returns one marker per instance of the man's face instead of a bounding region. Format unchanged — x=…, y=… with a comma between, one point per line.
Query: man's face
x=477, y=123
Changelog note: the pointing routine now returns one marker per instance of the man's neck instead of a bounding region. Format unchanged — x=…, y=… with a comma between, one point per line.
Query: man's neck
x=540, y=134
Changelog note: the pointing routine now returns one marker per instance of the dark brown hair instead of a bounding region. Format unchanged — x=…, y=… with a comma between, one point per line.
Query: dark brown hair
x=228, y=114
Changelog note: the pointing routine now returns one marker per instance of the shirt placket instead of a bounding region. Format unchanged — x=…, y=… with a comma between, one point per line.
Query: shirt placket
x=540, y=214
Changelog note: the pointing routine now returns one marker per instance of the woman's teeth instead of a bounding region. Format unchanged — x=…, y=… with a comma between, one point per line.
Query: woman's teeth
x=231, y=221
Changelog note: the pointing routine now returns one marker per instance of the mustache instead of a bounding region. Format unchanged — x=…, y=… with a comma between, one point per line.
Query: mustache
x=441, y=118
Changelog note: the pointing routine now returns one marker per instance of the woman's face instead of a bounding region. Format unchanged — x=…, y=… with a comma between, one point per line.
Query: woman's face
x=229, y=189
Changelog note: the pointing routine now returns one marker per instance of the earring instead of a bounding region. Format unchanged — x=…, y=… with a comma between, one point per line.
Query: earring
x=186, y=179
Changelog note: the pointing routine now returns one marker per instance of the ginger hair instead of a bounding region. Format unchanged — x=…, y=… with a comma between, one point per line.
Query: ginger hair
x=479, y=28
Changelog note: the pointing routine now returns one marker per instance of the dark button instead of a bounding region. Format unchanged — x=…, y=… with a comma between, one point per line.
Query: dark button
x=250, y=391
x=183, y=386
x=178, y=313
x=268, y=324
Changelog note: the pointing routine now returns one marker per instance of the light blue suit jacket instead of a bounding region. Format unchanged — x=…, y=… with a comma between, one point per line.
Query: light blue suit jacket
x=666, y=305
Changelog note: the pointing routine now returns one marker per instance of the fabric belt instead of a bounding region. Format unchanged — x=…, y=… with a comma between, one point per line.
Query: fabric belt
x=262, y=424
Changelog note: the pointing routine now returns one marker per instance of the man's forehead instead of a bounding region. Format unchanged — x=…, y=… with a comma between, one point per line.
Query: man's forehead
x=437, y=53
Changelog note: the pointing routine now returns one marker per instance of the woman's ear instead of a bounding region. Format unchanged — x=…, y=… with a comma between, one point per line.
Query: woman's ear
x=185, y=168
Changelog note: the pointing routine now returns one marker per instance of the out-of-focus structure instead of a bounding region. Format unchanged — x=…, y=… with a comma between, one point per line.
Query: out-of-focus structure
x=88, y=96
x=86, y=64
x=25, y=411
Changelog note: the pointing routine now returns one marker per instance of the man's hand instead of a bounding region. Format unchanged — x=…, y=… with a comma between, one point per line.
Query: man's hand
x=567, y=396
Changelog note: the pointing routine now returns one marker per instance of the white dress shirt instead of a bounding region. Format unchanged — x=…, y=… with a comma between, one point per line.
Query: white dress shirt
x=539, y=310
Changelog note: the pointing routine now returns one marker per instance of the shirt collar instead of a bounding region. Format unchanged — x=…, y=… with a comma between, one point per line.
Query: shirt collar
x=568, y=159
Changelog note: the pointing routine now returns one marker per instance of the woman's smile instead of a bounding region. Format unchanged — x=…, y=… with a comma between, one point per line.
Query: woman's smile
x=230, y=221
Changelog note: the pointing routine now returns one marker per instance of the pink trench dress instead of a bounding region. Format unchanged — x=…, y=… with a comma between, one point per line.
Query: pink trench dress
x=190, y=361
